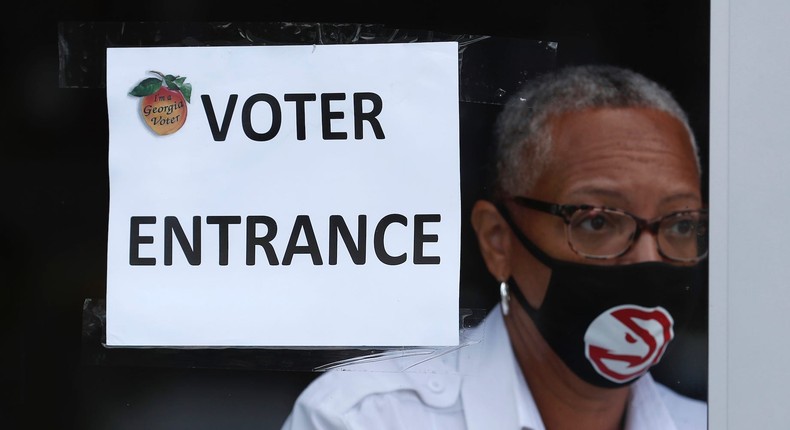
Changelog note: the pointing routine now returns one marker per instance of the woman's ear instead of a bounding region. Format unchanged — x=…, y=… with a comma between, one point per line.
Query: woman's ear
x=493, y=238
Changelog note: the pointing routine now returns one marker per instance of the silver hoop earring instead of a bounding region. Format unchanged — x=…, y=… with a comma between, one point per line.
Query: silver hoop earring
x=504, y=297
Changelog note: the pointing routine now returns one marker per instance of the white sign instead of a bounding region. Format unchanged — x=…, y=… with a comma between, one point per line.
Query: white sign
x=284, y=195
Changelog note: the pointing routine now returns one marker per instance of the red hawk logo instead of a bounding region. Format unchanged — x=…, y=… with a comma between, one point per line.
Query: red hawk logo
x=625, y=341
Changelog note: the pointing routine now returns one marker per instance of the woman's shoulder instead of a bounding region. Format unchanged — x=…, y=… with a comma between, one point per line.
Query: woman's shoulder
x=369, y=391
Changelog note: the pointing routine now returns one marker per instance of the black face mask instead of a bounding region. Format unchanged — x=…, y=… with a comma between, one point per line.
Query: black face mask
x=610, y=324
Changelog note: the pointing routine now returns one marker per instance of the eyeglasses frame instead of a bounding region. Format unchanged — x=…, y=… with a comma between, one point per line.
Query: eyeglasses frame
x=566, y=212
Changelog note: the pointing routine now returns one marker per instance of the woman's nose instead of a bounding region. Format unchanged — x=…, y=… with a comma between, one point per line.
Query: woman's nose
x=644, y=249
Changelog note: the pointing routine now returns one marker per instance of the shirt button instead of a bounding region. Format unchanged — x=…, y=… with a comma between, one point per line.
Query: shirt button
x=436, y=385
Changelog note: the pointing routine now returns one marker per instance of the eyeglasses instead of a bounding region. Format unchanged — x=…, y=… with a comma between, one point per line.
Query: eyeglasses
x=601, y=233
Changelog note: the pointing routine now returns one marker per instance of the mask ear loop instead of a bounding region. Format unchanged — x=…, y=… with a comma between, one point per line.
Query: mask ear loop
x=504, y=298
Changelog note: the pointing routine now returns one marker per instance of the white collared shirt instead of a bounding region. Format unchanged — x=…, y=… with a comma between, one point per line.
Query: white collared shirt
x=477, y=385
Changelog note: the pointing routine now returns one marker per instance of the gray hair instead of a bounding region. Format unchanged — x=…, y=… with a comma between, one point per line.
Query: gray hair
x=523, y=129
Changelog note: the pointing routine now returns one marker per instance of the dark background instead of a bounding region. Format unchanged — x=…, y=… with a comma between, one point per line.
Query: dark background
x=55, y=185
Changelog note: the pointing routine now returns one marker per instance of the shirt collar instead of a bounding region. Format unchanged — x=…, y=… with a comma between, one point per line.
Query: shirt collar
x=528, y=414
x=646, y=410
x=494, y=391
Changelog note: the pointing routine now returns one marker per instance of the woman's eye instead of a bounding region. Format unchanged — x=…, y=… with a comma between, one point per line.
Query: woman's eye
x=683, y=227
x=595, y=222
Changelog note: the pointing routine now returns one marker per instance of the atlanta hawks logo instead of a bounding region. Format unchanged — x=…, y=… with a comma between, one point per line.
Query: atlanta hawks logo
x=625, y=341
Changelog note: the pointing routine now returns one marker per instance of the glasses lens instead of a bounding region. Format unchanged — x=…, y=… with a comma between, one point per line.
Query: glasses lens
x=684, y=236
x=600, y=233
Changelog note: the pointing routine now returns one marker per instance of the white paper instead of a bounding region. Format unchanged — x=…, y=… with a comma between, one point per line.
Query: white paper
x=409, y=175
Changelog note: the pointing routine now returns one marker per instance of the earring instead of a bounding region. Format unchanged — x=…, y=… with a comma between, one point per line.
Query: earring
x=504, y=297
